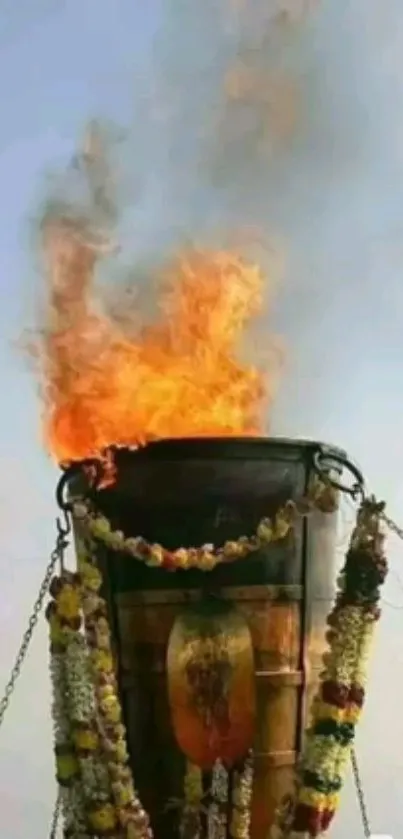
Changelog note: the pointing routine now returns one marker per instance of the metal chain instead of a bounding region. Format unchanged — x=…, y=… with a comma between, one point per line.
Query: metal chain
x=360, y=795
x=56, y=556
x=55, y=817
x=398, y=531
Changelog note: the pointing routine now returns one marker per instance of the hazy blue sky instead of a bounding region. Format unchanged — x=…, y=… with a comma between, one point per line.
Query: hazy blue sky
x=333, y=194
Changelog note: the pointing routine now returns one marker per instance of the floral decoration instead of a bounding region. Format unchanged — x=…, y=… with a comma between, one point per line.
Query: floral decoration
x=338, y=704
x=99, y=797
x=190, y=825
x=217, y=821
x=205, y=557
x=242, y=799
x=67, y=766
x=131, y=818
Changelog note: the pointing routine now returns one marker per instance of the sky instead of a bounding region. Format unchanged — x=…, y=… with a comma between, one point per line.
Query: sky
x=331, y=193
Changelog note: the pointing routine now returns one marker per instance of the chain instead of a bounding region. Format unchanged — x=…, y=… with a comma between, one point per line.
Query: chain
x=55, y=817
x=56, y=556
x=360, y=795
x=398, y=531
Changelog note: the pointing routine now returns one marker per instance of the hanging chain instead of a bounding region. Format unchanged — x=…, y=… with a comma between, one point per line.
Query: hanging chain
x=55, y=817
x=56, y=556
x=398, y=531
x=360, y=795
x=393, y=527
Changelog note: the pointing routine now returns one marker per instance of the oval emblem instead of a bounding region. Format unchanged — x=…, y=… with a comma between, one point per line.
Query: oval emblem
x=211, y=683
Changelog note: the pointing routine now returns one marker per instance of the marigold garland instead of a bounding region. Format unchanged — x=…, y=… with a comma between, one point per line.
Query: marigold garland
x=94, y=759
x=321, y=496
x=242, y=799
x=205, y=558
x=340, y=698
x=131, y=818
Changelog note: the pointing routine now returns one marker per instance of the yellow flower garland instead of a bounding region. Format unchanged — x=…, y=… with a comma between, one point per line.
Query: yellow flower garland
x=93, y=763
x=126, y=810
x=205, y=558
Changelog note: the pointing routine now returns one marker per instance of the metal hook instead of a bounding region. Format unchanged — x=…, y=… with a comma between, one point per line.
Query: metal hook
x=322, y=462
x=64, y=505
x=63, y=530
x=69, y=473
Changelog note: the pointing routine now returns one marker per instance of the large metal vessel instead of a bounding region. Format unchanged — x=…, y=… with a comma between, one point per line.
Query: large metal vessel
x=190, y=492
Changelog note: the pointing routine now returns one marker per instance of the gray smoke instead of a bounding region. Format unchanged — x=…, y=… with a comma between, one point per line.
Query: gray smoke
x=279, y=122
x=223, y=113
x=294, y=154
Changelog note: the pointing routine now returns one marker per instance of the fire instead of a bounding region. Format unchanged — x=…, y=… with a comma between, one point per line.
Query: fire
x=179, y=376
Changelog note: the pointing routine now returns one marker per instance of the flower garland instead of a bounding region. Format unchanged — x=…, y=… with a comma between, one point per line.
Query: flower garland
x=132, y=819
x=321, y=496
x=94, y=776
x=97, y=810
x=338, y=704
x=67, y=767
x=336, y=710
x=204, y=558
x=242, y=800
x=218, y=810
x=190, y=826
x=91, y=754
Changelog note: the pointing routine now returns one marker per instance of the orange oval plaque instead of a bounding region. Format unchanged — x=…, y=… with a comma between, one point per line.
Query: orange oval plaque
x=211, y=683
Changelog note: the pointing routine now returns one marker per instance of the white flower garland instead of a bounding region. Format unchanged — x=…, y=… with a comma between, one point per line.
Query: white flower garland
x=71, y=797
x=217, y=811
x=242, y=800
x=94, y=775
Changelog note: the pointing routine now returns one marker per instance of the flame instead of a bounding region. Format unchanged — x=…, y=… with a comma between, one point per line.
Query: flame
x=179, y=376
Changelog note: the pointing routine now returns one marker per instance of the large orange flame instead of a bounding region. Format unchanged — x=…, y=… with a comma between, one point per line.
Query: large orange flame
x=180, y=376
x=108, y=382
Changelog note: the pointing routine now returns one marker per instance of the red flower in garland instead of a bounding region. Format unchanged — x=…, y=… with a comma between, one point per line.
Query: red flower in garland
x=307, y=819
x=356, y=695
x=335, y=694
